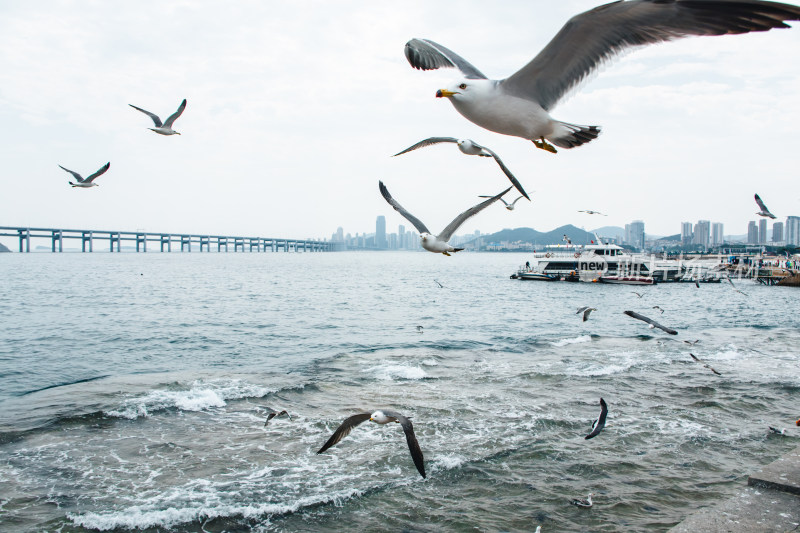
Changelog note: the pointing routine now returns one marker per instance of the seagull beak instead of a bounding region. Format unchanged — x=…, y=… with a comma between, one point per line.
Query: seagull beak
x=176, y=133
x=444, y=93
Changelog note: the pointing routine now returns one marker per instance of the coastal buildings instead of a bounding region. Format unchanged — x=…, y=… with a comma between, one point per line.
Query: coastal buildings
x=777, y=232
x=752, y=232
x=634, y=234
x=717, y=235
x=793, y=230
x=380, y=233
x=702, y=232
x=762, y=231
x=686, y=233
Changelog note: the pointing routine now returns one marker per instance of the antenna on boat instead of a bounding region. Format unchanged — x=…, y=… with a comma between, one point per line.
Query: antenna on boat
x=599, y=240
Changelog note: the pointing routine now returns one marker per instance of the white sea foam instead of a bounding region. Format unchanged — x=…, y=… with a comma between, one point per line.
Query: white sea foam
x=199, y=396
x=575, y=340
x=392, y=372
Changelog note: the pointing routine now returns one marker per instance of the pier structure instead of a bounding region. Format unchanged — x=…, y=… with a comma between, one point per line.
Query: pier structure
x=201, y=242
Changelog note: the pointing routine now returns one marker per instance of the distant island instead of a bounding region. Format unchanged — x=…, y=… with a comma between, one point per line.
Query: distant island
x=3, y=248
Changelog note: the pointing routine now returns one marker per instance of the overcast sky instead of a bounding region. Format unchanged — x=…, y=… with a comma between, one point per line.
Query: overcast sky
x=294, y=110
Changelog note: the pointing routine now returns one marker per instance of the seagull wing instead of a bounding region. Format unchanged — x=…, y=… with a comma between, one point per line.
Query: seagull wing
x=173, y=117
x=472, y=211
x=75, y=174
x=149, y=114
x=413, y=445
x=400, y=209
x=424, y=54
x=763, y=207
x=428, y=142
x=99, y=172
x=586, y=314
x=643, y=318
x=270, y=417
x=517, y=184
x=601, y=422
x=597, y=36
x=344, y=430
x=517, y=200
x=704, y=364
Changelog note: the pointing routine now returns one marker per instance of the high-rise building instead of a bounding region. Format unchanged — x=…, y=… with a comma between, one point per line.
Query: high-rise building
x=702, y=233
x=380, y=233
x=686, y=232
x=752, y=232
x=717, y=236
x=793, y=230
x=777, y=232
x=762, y=231
x=401, y=236
x=634, y=234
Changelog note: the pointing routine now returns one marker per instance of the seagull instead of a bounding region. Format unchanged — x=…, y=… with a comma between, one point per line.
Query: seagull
x=520, y=104
x=657, y=307
x=586, y=310
x=597, y=426
x=638, y=295
x=509, y=206
x=704, y=364
x=438, y=244
x=380, y=417
x=419, y=329
x=166, y=127
x=653, y=323
x=590, y=212
x=273, y=414
x=734, y=286
x=469, y=147
x=580, y=502
x=88, y=182
x=764, y=211
x=566, y=239
x=439, y=284
x=692, y=342
x=778, y=431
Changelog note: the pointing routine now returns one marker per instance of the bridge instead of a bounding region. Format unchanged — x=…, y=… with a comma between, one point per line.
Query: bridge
x=163, y=241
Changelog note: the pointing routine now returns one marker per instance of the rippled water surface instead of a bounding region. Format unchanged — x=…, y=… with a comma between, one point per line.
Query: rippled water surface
x=134, y=389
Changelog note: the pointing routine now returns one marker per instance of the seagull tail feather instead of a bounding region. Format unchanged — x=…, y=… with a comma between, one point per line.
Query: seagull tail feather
x=572, y=135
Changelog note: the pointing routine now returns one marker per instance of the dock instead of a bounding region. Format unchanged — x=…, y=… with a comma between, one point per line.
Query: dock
x=770, y=502
x=161, y=241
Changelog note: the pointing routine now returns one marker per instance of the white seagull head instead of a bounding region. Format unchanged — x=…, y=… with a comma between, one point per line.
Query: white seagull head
x=379, y=418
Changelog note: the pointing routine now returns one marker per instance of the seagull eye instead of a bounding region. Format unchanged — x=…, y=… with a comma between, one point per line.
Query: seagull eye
x=462, y=86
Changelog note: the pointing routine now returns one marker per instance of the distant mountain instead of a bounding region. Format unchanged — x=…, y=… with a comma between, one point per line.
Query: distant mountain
x=3, y=248
x=676, y=237
x=612, y=232
x=556, y=236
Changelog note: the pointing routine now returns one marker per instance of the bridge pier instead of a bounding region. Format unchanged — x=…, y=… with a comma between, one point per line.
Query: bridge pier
x=24, y=238
x=114, y=237
x=168, y=240
x=186, y=241
x=254, y=242
x=141, y=238
x=222, y=241
x=86, y=236
x=57, y=237
x=237, y=242
x=205, y=241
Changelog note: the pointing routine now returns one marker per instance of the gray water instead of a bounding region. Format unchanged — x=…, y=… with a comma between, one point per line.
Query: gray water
x=134, y=389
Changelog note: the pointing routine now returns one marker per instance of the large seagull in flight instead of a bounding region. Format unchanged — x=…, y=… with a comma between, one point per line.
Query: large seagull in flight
x=520, y=104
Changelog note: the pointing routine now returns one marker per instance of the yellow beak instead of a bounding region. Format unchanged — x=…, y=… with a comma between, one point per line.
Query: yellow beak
x=444, y=93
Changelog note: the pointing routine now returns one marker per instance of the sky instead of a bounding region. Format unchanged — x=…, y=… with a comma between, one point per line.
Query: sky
x=295, y=109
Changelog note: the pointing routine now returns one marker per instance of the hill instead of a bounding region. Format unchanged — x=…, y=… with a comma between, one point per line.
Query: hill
x=530, y=235
x=3, y=248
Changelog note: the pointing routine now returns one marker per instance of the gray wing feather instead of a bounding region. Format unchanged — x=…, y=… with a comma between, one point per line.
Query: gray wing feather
x=399, y=208
x=589, y=39
x=472, y=211
x=643, y=318
x=763, y=207
x=428, y=142
x=508, y=173
x=75, y=174
x=155, y=118
x=600, y=422
x=344, y=430
x=411, y=439
x=173, y=117
x=424, y=54
x=99, y=172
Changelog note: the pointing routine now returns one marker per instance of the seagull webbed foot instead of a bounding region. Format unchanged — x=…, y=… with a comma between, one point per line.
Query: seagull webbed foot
x=544, y=145
x=447, y=254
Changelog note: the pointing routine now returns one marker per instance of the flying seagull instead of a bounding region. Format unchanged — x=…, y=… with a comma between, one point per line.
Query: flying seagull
x=469, y=147
x=657, y=307
x=419, y=329
x=520, y=104
x=438, y=244
x=439, y=284
x=380, y=417
x=273, y=414
x=580, y=502
x=704, y=364
x=653, y=323
x=764, y=211
x=509, y=206
x=638, y=295
x=692, y=342
x=88, y=182
x=781, y=431
x=566, y=239
x=590, y=212
x=734, y=286
x=586, y=310
x=599, y=424
x=166, y=127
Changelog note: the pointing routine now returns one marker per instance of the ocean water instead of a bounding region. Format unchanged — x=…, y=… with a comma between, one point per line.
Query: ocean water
x=134, y=389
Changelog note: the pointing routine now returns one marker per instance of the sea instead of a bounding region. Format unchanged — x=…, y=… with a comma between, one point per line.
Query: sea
x=134, y=390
